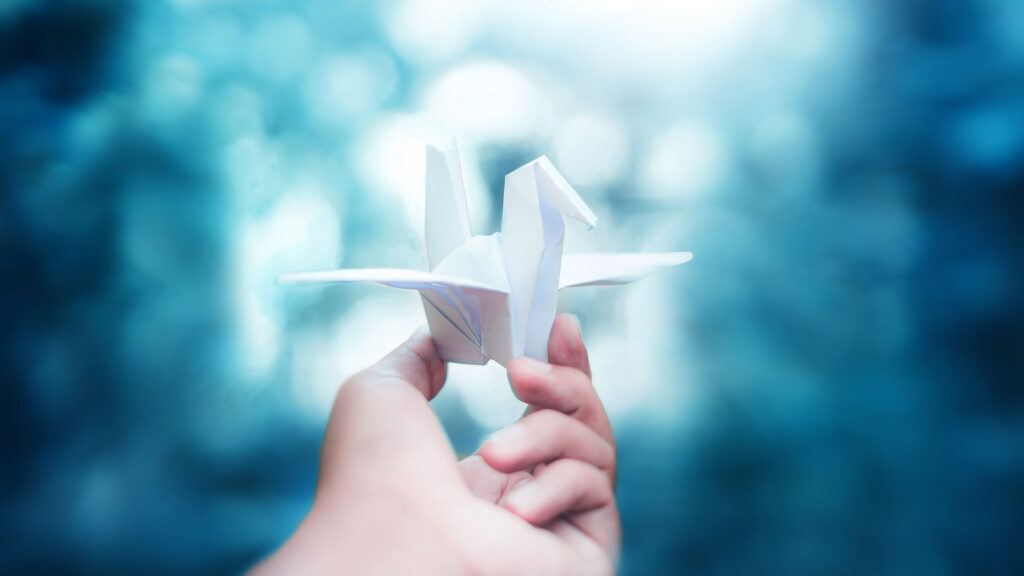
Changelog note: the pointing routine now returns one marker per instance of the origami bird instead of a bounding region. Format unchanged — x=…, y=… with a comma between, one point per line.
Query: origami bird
x=494, y=297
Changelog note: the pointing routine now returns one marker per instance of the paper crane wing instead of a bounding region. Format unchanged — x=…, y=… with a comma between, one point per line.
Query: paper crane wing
x=536, y=202
x=611, y=269
x=458, y=309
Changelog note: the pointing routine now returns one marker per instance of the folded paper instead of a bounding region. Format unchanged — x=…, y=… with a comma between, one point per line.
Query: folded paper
x=494, y=297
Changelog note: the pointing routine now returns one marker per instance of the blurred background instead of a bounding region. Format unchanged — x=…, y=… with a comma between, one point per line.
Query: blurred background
x=832, y=386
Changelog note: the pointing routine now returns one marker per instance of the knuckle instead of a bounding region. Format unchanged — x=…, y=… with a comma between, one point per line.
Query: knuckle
x=575, y=469
x=349, y=389
x=361, y=387
x=549, y=418
x=594, y=484
x=357, y=385
x=554, y=425
x=580, y=389
x=529, y=385
x=603, y=488
x=590, y=482
x=606, y=455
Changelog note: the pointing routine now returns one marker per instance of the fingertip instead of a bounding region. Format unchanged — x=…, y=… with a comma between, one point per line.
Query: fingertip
x=418, y=362
x=574, y=320
x=493, y=455
x=515, y=369
x=522, y=499
x=423, y=345
x=502, y=450
x=527, y=375
x=565, y=332
x=565, y=346
x=531, y=366
x=528, y=364
x=423, y=342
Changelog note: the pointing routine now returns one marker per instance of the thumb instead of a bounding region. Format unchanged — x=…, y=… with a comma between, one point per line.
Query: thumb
x=381, y=427
x=415, y=362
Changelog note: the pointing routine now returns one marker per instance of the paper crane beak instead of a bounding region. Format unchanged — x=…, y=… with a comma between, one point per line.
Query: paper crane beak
x=559, y=193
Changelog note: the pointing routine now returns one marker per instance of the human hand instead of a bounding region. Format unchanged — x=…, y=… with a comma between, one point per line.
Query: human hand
x=555, y=467
x=537, y=498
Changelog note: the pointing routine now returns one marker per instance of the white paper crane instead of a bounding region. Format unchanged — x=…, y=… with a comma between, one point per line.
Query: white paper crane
x=495, y=296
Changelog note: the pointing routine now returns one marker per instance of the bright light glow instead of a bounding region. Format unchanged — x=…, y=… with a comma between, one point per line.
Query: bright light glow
x=426, y=31
x=280, y=47
x=485, y=392
x=345, y=85
x=487, y=101
x=591, y=150
x=640, y=40
x=216, y=40
x=786, y=150
x=811, y=32
x=259, y=333
x=171, y=89
x=371, y=328
x=689, y=160
x=639, y=367
x=322, y=360
x=239, y=112
x=254, y=167
x=391, y=157
x=300, y=233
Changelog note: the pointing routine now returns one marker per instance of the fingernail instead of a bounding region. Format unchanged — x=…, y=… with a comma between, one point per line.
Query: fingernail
x=522, y=495
x=576, y=322
x=511, y=434
x=534, y=365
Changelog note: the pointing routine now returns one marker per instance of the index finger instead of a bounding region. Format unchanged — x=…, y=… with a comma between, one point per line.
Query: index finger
x=564, y=384
x=565, y=347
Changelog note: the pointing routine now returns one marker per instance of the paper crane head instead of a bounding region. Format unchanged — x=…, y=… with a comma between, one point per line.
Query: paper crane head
x=494, y=297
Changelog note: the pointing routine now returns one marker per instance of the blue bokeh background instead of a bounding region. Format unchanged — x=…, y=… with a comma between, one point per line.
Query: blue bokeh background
x=832, y=386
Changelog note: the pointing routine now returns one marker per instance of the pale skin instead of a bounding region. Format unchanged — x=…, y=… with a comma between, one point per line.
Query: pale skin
x=393, y=498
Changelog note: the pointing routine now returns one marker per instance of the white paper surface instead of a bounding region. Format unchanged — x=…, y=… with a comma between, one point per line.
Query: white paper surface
x=612, y=269
x=447, y=224
x=494, y=297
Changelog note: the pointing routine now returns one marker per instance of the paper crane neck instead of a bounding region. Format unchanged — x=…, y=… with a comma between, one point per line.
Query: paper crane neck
x=537, y=199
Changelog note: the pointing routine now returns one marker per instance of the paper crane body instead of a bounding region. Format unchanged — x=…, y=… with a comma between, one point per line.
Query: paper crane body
x=495, y=296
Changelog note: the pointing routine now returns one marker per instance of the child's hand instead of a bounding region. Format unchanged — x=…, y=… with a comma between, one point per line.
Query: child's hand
x=536, y=499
